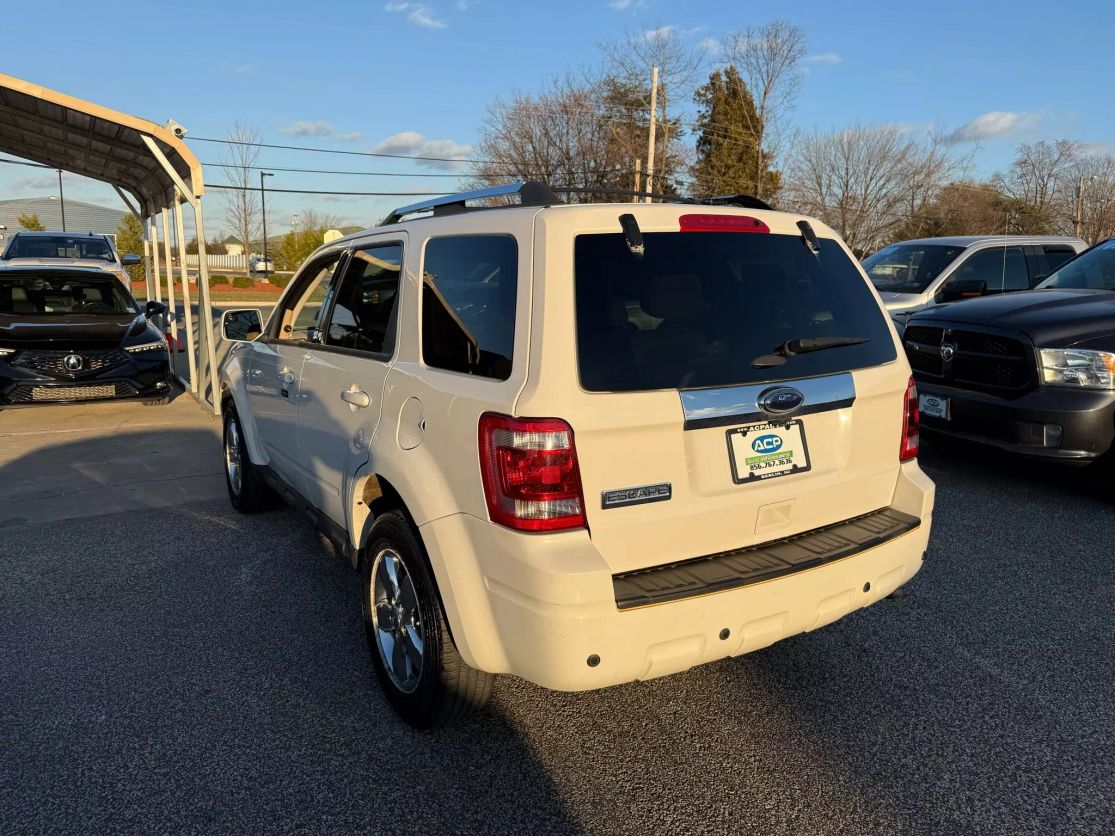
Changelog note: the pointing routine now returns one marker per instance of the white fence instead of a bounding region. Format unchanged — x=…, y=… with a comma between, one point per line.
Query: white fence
x=220, y=262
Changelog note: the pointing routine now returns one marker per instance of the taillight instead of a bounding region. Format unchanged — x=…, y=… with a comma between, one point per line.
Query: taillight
x=531, y=478
x=721, y=223
x=911, y=420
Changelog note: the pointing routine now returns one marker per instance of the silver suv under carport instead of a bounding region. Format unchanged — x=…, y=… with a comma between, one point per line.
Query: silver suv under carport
x=913, y=275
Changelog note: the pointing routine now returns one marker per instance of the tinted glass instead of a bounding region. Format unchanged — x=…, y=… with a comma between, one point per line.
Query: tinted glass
x=1001, y=268
x=1056, y=256
x=1095, y=270
x=908, y=268
x=363, y=315
x=58, y=295
x=60, y=246
x=305, y=304
x=698, y=308
x=468, y=304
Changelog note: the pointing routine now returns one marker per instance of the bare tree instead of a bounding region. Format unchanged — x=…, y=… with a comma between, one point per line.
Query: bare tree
x=242, y=204
x=769, y=59
x=1098, y=173
x=865, y=181
x=630, y=60
x=1039, y=183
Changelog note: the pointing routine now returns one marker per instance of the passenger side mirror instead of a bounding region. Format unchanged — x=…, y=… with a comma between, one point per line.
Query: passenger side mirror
x=962, y=289
x=130, y=260
x=241, y=326
x=154, y=308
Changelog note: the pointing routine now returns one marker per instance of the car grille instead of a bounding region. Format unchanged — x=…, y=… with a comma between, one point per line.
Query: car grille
x=980, y=361
x=83, y=392
x=53, y=363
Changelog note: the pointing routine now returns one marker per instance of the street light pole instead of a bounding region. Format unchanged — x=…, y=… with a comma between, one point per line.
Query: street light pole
x=61, y=200
x=263, y=205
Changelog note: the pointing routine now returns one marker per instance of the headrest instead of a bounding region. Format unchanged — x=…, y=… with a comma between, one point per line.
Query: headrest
x=19, y=294
x=673, y=296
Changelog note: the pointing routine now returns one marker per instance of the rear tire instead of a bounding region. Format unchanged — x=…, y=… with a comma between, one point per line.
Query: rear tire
x=247, y=491
x=423, y=676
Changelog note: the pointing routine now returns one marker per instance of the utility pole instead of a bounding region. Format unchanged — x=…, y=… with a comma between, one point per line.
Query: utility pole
x=650, y=139
x=263, y=206
x=1078, y=220
x=638, y=179
x=61, y=200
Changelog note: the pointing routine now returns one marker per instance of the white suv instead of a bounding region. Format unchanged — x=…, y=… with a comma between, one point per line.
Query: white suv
x=583, y=444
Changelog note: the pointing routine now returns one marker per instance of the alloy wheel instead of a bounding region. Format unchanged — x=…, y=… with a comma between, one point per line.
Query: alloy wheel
x=397, y=620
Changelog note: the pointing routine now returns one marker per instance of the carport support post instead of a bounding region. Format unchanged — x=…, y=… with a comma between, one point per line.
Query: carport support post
x=154, y=262
x=206, y=311
x=149, y=274
x=169, y=316
x=187, y=308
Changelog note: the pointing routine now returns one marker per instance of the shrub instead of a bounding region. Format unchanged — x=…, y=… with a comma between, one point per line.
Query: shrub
x=217, y=279
x=242, y=282
x=279, y=281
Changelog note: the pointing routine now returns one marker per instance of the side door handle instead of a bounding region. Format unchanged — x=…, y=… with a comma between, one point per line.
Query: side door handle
x=356, y=398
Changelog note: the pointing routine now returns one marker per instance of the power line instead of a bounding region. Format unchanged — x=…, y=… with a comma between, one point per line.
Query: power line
x=312, y=191
x=419, y=157
x=335, y=171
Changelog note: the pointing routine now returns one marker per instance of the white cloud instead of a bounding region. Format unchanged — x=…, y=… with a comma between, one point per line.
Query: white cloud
x=711, y=46
x=450, y=154
x=320, y=130
x=241, y=70
x=993, y=124
x=659, y=34
x=619, y=5
x=465, y=5
x=420, y=15
x=824, y=58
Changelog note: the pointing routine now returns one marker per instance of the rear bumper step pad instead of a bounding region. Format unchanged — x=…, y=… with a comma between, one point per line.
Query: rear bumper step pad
x=729, y=570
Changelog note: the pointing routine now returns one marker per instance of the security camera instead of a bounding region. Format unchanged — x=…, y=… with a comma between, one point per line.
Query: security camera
x=175, y=128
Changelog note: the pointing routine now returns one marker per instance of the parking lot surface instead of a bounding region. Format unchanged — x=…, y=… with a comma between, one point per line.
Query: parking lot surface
x=169, y=665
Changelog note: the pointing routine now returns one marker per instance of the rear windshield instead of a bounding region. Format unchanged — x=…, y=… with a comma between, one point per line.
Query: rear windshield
x=56, y=296
x=59, y=246
x=908, y=268
x=699, y=308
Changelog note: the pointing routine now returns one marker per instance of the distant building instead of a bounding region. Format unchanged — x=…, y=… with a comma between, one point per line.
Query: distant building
x=80, y=217
x=233, y=245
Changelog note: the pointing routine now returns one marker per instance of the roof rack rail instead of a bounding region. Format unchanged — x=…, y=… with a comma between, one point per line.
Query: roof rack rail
x=744, y=201
x=530, y=192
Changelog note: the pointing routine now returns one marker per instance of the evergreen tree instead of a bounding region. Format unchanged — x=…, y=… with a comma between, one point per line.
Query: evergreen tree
x=129, y=239
x=729, y=155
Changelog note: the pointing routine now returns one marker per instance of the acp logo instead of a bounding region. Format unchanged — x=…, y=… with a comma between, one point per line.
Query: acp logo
x=768, y=443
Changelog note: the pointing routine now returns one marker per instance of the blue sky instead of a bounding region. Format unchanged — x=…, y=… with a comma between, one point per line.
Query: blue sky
x=417, y=76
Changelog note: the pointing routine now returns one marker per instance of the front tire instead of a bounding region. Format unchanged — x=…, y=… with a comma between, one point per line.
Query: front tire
x=423, y=676
x=247, y=491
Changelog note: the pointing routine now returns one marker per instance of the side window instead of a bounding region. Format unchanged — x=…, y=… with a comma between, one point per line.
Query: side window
x=1055, y=256
x=469, y=288
x=303, y=306
x=367, y=300
x=1002, y=269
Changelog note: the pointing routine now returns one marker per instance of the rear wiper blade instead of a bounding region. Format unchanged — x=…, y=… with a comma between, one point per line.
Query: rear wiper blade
x=805, y=345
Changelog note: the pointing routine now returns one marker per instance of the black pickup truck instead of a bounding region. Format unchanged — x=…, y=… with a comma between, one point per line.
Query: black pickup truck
x=1031, y=372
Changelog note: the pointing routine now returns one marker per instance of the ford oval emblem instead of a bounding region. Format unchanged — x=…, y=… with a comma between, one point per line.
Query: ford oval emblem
x=781, y=401
x=768, y=443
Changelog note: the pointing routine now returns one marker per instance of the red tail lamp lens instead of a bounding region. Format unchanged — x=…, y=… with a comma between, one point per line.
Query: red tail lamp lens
x=911, y=423
x=721, y=223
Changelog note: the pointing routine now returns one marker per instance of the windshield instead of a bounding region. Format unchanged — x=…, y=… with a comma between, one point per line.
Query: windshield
x=1095, y=270
x=60, y=246
x=699, y=308
x=61, y=295
x=908, y=268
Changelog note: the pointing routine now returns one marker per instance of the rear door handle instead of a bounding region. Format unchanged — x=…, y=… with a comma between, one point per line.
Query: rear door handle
x=356, y=397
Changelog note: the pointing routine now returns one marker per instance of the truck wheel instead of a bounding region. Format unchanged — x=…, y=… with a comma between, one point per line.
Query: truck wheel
x=422, y=674
x=246, y=489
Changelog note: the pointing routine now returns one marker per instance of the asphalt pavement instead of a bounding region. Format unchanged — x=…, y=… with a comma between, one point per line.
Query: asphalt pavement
x=176, y=667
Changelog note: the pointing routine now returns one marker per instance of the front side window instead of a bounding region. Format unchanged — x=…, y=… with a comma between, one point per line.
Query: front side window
x=998, y=270
x=367, y=299
x=469, y=287
x=304, y=305
x=59, y=296
x=1095, y=270
x=703, y=309
x=908, y=268
x=1056, y=256
x=60, y=246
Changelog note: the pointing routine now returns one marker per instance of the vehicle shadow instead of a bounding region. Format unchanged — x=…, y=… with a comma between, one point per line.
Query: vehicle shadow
x=183, y=667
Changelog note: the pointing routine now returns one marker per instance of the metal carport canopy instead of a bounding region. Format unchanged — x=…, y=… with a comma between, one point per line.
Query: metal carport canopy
x=145, y=159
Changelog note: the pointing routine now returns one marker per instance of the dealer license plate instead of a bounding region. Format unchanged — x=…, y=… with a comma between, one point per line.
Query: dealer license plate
x=764, y=451
x=934, y=406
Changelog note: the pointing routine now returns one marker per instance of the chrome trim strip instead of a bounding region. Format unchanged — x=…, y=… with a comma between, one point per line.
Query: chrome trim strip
x=729, y=405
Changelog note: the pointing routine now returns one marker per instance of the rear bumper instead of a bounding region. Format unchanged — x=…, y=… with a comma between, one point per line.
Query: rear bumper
x=545, y=607
x=1071, y=425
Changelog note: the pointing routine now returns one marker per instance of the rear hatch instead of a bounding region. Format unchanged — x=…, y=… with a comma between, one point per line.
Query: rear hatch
x=697, y=428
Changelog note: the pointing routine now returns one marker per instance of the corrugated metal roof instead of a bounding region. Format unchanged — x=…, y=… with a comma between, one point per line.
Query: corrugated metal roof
x=80, y=217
